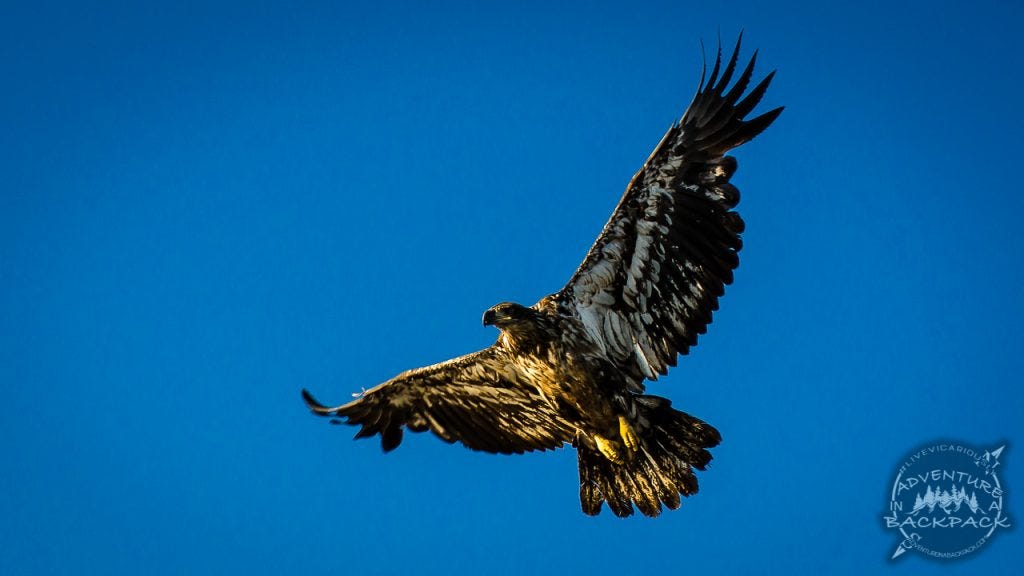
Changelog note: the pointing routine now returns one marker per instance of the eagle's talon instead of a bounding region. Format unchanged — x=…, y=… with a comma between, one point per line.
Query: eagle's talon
x=629, y=437
x=607, y=447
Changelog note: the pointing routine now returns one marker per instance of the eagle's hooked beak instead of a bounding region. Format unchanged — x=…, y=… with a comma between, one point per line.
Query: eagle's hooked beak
x=489, y=317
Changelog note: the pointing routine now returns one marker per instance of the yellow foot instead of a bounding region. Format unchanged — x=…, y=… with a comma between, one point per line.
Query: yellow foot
x=607, y=447
x=628, y=435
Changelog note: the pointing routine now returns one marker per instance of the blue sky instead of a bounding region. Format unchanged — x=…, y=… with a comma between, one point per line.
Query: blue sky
x=205, y=208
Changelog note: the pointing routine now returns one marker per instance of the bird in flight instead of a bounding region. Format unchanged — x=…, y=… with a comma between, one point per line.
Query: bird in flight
x=571, y=369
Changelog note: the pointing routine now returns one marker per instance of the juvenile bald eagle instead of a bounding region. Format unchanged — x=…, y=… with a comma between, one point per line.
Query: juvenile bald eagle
x=571, y=368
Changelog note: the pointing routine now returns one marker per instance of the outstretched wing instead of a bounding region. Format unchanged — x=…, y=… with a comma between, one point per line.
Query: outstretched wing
x=475, y=399
x=650, y=282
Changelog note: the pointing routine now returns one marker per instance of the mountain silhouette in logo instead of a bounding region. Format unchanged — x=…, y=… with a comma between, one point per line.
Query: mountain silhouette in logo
x=947, y=501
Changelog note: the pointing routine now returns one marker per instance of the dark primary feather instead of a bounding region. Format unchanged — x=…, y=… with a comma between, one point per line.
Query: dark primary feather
x=475, y=399
x=651, y=281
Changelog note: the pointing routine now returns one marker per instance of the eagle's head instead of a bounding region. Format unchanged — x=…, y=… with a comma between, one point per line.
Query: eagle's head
x=509, y=315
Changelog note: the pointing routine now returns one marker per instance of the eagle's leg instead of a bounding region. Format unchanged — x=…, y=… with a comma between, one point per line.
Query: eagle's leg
x=629, y=437
x=608, y=449
x=612, y=449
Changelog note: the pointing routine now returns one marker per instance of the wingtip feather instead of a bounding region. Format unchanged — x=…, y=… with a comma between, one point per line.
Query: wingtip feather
x=314, y=406
x=730, y=68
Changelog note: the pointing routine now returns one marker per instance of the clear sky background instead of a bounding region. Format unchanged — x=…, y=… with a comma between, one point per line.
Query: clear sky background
x=205, y=208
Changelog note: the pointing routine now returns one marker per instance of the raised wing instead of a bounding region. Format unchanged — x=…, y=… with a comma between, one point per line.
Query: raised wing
x=474, y=399
x=650, y=282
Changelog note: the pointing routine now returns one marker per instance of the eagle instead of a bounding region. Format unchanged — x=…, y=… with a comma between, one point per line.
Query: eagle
x=571, y=369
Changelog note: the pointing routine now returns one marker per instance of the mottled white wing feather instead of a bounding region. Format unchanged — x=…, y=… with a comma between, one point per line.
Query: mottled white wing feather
x=651, y=281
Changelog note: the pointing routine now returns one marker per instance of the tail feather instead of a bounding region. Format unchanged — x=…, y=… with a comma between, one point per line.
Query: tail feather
x=672, y=446
x=591, y=499
x=647, y=496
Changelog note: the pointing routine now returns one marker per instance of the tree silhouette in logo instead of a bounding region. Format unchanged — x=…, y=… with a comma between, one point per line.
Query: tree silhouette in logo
x=949, y=501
